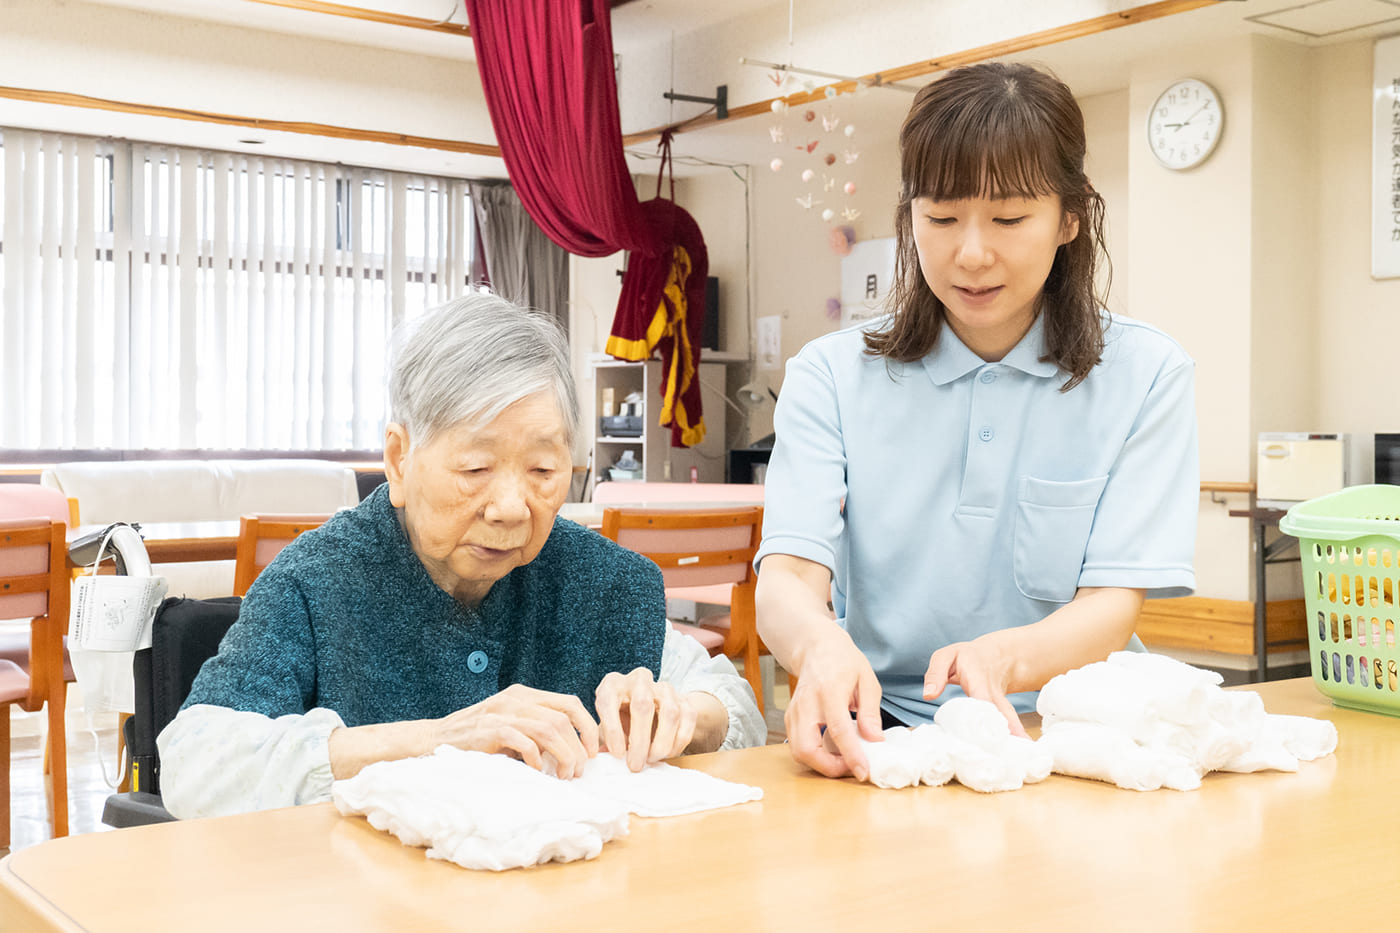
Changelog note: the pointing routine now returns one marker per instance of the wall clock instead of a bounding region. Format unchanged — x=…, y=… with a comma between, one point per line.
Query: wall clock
x=1184, y=125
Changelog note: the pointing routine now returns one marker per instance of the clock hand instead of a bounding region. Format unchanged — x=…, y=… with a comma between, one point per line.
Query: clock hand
x=1194, y=115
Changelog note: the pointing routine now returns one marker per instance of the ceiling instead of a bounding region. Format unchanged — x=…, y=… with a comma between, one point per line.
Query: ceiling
x=1090, y=65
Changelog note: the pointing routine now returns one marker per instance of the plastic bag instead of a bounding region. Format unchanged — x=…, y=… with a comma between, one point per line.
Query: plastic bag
x=111, y=621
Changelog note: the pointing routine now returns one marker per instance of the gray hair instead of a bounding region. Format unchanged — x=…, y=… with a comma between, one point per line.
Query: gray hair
x=470, y=359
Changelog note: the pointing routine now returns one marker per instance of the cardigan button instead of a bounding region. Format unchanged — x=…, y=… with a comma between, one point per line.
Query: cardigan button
x=476, y=662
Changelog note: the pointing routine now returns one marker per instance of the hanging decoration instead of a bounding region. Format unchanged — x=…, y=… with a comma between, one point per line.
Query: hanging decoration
x=824, y=144
x=816, y=159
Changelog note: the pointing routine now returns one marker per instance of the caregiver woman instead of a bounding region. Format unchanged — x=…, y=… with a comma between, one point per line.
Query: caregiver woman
x=452, y=606
x=986, y=482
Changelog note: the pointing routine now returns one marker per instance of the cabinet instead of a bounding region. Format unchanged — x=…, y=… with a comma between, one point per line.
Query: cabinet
x=660, y=461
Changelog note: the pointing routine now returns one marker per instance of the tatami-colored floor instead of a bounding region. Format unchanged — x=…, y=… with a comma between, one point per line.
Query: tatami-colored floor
x=87, y=789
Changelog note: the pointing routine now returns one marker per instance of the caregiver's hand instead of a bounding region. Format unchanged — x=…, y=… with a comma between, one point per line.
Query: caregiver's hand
x=980, y=669
x=643, y=720
x=835, y=680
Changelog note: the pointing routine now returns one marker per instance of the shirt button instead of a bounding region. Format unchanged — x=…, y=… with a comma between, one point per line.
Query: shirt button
x=985, y=433
x=989, y=376
x=476, y=662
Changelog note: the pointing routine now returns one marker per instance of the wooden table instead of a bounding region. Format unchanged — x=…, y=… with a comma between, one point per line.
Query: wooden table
x=169, y=542
x=1266, y=851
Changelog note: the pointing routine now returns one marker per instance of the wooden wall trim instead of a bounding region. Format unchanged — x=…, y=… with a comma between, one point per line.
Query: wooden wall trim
x=1087, y=27
x=372, y=16
x=1034, y=40
x=1222, y=625
x=65, y=99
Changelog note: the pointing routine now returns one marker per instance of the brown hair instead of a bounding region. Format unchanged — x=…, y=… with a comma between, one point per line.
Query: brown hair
x=998, y=130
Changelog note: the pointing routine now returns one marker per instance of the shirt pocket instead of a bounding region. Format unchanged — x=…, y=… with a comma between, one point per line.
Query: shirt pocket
x=1053, y=521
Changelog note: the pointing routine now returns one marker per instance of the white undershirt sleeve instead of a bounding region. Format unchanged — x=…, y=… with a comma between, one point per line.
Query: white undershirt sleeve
x=215, y=761
x=688, y=667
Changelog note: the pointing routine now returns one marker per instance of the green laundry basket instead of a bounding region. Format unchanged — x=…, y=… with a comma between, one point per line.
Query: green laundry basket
x=1349, y=542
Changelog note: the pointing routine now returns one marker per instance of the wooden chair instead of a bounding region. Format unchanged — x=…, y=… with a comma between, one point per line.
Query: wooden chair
x=709, y=548
x=34, y=584
x=260, y=538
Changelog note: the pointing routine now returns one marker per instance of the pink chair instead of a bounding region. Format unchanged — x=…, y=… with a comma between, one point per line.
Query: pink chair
x=704, y=548
x=641, y=494
x=34, y=585
x=261, y=537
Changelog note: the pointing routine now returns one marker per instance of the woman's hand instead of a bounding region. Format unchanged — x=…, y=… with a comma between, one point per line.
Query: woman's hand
x=835, y=680
x=643, y=720
x=982, y=671
x=532, y=725
x=535, y=726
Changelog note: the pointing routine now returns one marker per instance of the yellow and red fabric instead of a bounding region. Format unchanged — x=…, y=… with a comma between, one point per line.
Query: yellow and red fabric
x=670, y=325
x=547, y=75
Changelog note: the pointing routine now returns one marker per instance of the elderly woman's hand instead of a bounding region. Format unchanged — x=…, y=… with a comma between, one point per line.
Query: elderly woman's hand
x=528, y=724
x=647, y=719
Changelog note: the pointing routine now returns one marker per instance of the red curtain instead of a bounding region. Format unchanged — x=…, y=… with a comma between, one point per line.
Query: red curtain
x=547, y=74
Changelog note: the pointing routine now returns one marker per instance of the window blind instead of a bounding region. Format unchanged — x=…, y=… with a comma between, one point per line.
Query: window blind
x=158, y=296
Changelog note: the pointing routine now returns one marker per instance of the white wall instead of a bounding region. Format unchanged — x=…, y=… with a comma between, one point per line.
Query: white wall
x=1107, y=134
x=138, y=57
x=795, y=269
x=1358, y=318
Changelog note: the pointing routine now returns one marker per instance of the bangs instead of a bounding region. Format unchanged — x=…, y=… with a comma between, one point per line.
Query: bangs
x=991, y=148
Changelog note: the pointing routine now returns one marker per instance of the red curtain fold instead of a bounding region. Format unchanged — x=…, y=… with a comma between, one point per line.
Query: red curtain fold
x=547, y=74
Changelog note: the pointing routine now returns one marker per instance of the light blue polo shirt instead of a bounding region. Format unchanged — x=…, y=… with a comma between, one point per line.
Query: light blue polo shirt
x=978, y=496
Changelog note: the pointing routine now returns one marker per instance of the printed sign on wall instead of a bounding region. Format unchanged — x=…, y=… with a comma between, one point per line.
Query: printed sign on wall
x=866, y=275
x=1385, y=162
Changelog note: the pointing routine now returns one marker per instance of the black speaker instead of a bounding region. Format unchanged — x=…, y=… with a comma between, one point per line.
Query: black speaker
x=709, y=335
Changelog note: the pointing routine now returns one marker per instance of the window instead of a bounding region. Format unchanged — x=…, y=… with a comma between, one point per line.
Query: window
x=158, y=297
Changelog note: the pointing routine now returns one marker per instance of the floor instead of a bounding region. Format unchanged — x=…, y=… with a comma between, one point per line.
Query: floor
x=87, y=788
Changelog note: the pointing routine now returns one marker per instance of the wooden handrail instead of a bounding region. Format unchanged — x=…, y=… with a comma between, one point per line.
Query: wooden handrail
x=1214, y=486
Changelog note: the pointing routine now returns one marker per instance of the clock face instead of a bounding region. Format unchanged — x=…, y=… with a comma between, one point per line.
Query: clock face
x=1184, y=125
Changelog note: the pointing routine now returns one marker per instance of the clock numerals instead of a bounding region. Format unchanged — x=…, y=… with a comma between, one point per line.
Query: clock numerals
x=1184, y=124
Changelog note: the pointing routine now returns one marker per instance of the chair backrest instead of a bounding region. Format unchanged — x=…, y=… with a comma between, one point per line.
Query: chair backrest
x=696, y=547
x=33, y=567
x=34, y=579
x=261, y=537
x=640, y=493
x=34, y=544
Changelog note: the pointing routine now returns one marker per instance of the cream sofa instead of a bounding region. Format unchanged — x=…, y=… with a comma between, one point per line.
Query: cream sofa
x=200, y=490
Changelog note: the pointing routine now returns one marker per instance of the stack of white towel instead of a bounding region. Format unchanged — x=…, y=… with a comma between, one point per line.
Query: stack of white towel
x=490, y=811
x=1144, y=721
x=1140, y=721
x=968, y=739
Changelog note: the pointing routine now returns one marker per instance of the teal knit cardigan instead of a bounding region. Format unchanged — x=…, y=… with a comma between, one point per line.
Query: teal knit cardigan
x=347, y=618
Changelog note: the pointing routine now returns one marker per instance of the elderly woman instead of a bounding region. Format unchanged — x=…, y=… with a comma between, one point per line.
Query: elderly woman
x=452, y=605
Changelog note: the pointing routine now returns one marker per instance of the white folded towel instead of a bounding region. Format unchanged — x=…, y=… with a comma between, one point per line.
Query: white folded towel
x=493, y=812
x=969, y=739
x=1145, y=721
x=909, y=757
x=660, y=789
x=1103, y=753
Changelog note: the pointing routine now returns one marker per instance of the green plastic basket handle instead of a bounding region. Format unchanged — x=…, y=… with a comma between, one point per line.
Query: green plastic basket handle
x=1346, y=515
